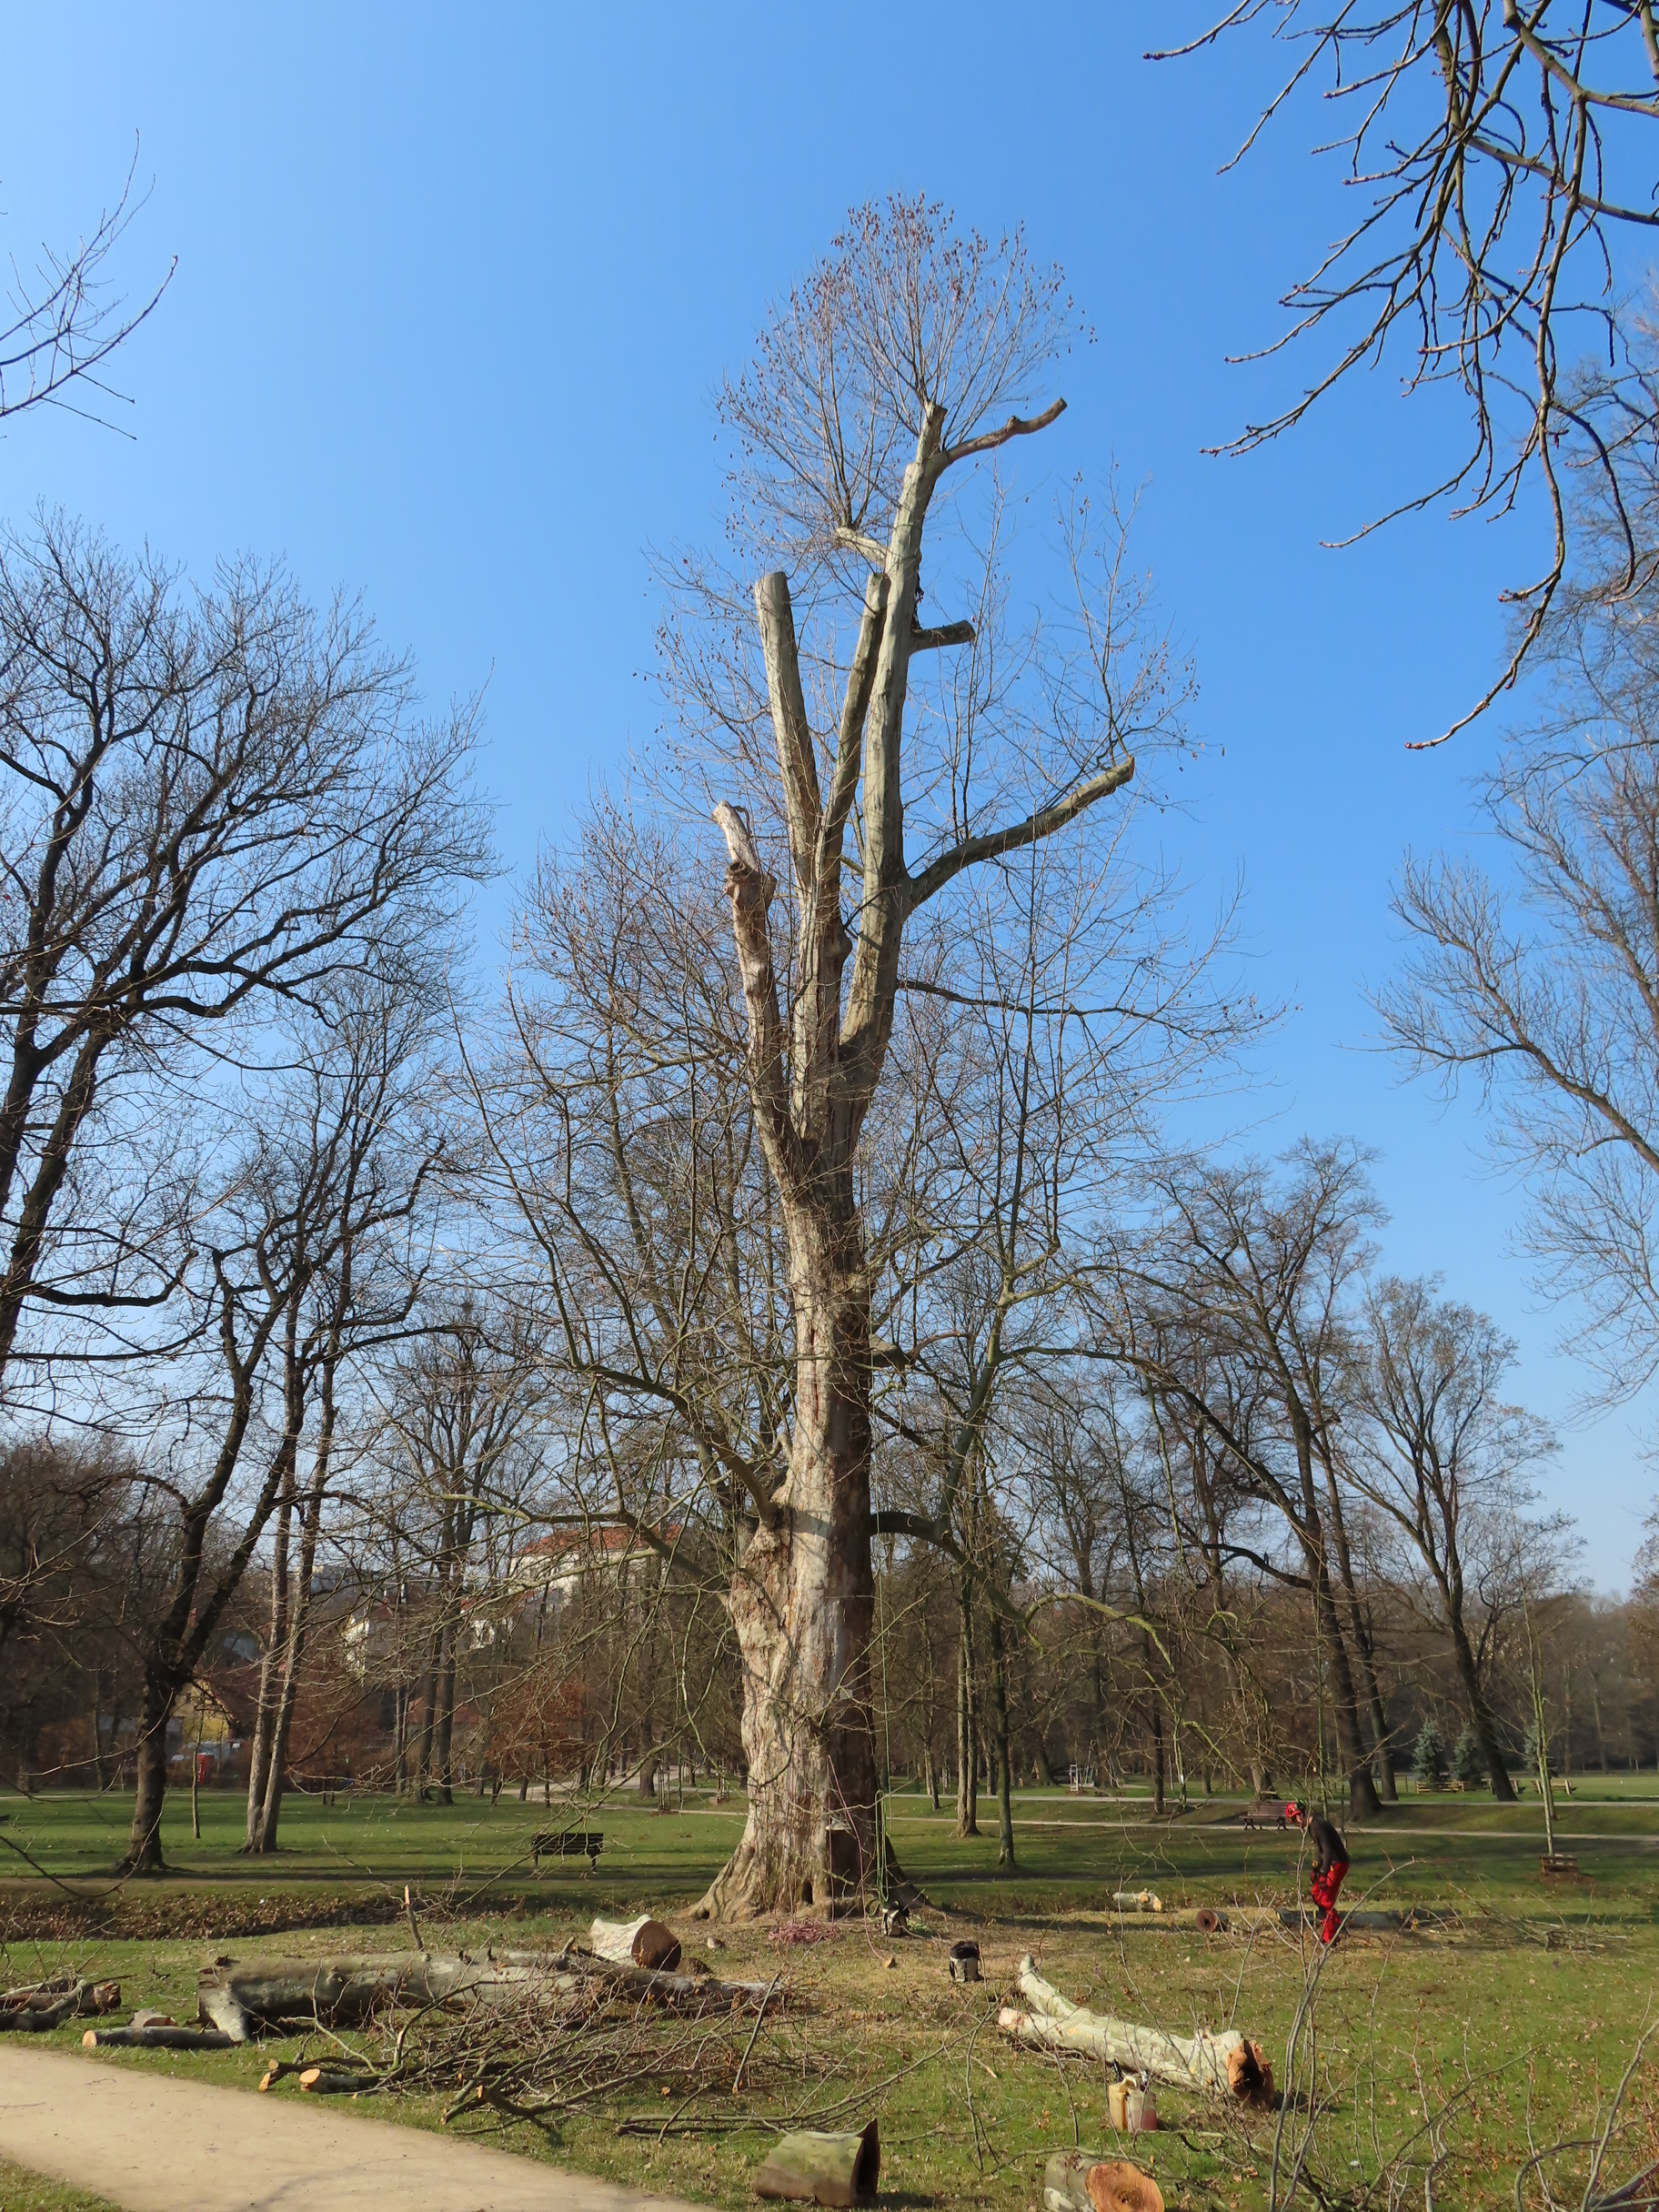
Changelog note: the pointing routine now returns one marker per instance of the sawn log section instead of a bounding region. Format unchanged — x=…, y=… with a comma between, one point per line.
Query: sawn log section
x=1228, y=2065
x=335, y=1992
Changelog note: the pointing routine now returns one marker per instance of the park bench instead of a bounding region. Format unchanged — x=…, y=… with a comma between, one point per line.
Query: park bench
x=566, y=1844
x=1263, y=1812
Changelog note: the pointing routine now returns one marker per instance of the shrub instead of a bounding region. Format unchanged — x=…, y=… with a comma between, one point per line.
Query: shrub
x=1429, y=1758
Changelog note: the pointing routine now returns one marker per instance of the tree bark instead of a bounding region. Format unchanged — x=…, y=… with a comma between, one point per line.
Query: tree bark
x=1382, y=1750
x=1486, y=1727
x=144, y=1853
x=270, y=1665
x=967, y=1736
x=1228, y=2065
x=446, y=1719
x=802, y=1596
x=802, y=1604
x=999, y=1707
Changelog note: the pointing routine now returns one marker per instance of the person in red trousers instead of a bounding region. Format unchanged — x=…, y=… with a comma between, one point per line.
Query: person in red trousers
x=1331, y=1863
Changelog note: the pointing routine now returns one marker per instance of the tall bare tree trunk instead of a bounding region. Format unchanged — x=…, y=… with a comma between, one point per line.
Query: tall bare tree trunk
x=299, y=1621
x=967, y=1734
x=155, y=1711
x=802, y=1596
x=444, y=1752
x=802, y=1604
x=999, y=1711
x=1382, y=1757
x=271, y=1672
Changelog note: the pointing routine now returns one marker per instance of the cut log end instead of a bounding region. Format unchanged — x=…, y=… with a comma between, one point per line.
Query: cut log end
x=837, y=2170
x=1250, y=2074
x=1084, y=2181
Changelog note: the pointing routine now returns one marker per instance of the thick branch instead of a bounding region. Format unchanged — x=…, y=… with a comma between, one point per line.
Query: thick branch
x=789, y=727
x=948, y=633
x=751, y=891
x=1041, y=824
x=1016, y=426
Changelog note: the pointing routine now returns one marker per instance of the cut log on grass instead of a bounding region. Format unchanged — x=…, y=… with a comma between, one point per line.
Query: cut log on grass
x=38, y=2008
x=1229, y=2064
x=220, y=2008
x=1085, y=2181
x=1137, y=1901
x=37, y=2019
x=700, y=1992
x=339, y=1992
x=156, y=2039
x=644, y=1942
x=823, y=2169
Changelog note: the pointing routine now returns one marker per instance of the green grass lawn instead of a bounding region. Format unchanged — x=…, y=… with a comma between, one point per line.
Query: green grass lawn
x=21, y=2191
x=1072, y=1850
x=1521, y=2012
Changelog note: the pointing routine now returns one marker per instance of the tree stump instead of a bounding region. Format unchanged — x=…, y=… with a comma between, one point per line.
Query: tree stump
x=1084, y=2181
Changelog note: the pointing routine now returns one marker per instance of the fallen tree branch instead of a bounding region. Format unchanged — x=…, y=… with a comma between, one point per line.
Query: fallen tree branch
x=1227, y=2064
x=40, y=2007
x=339, y=1992
x=156, y=2039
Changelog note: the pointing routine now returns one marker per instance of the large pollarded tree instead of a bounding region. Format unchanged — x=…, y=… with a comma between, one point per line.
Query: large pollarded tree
x=906, y=359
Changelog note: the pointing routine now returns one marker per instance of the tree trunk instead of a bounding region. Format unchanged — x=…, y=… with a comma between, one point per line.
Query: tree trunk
x=1485, y=1728
x=428, y=1717
x=998, y=1708
x=143, y=1846
x=1382, y=1752
x=445, y=1720
x=802, y=1604
x=270, y=1665
x=967, y=1734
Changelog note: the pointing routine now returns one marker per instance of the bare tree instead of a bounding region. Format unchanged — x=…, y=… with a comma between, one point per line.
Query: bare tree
x=1443, y=1456
x=210, y=801
x=359, y=1097
x=1500, y=149
x=885, y=372
x=1263, y=1277
x=1544, y=989
x=288, y=1279
x=64, y=323
x=459, y=1407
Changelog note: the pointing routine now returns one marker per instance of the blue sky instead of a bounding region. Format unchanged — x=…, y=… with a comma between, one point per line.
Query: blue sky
x=454, y=289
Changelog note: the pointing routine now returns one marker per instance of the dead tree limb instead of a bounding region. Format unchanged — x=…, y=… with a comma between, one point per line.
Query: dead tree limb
x=1228, y=2065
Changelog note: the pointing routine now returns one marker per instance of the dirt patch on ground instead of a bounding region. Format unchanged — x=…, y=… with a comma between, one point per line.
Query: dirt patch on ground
x=131, y=1912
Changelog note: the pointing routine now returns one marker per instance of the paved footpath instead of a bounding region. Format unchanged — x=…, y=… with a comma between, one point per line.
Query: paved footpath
x=154, y=2143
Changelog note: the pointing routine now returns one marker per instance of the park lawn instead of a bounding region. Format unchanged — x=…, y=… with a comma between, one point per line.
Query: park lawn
x=1532, y=1998
x=974, y=2119
x=23, y=2191
x=1072, y=1851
